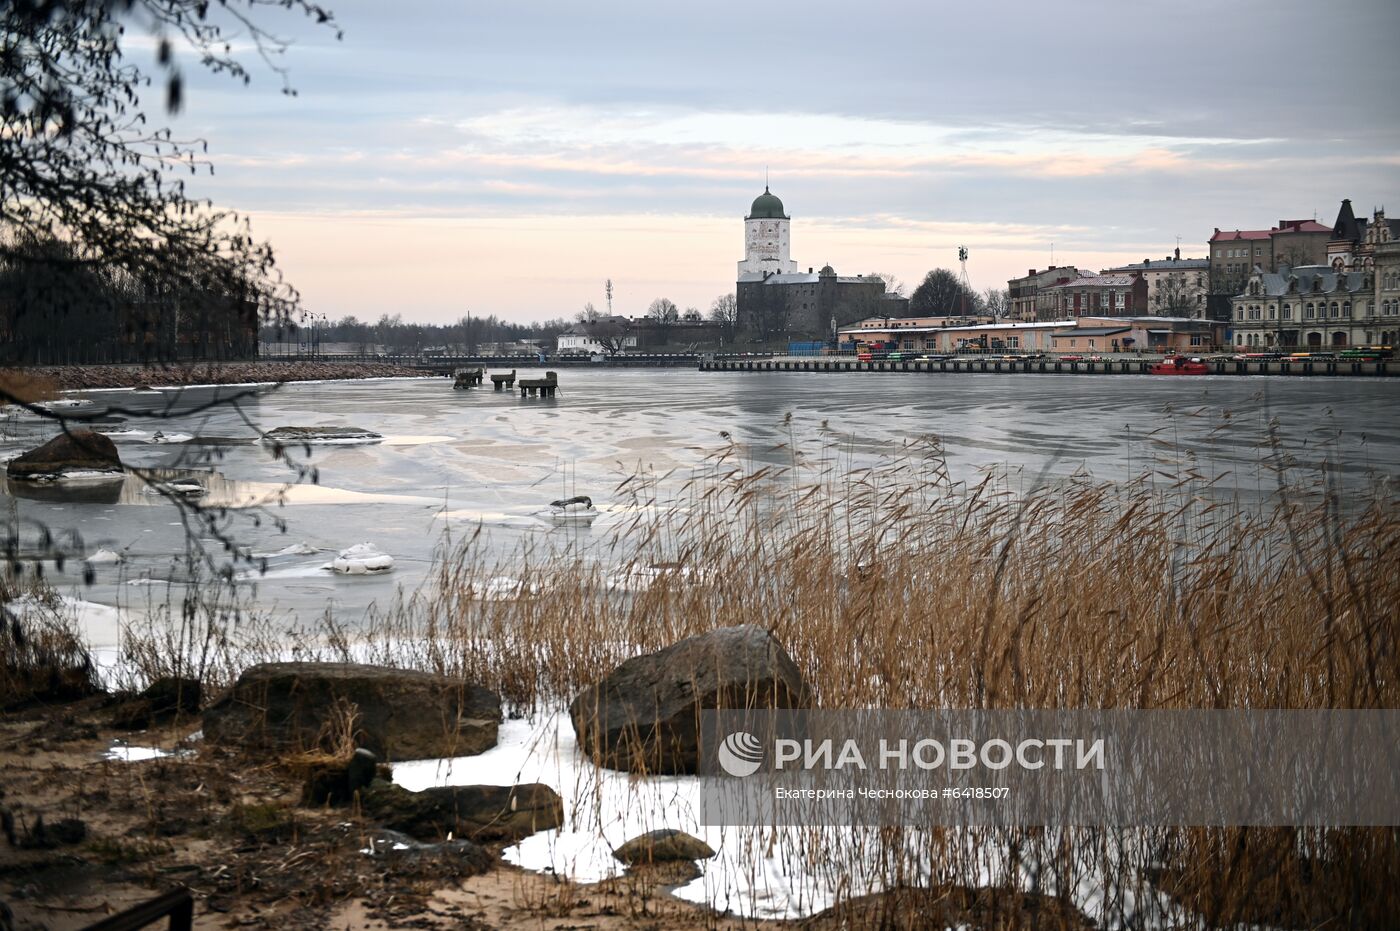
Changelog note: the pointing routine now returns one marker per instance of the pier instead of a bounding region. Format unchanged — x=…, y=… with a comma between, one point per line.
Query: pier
x=541, y=387
x=978, y=365
x=467, y=378
x=503, y=380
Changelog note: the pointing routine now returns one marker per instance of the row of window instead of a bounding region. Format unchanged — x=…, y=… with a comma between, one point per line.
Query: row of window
x=1336, y=339
x=1241, y=252
x=1312, y=311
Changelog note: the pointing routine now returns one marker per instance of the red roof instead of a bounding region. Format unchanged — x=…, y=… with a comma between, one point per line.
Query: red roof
x=1287, y=226
x=1303, y=226
x=1223, y=236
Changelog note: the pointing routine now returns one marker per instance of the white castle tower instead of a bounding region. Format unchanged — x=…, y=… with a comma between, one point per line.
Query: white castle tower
x=767, y=239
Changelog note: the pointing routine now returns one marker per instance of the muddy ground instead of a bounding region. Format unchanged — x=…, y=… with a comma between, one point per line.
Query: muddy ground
x=230, y=829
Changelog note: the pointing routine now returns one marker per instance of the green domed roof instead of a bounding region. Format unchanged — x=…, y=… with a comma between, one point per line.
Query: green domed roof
x=766, y=206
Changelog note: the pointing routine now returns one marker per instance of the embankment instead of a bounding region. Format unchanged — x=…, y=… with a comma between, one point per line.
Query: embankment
x=71, y=377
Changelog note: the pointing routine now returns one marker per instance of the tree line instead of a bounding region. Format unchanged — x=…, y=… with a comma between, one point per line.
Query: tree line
x=62, y=304
x=392, y=334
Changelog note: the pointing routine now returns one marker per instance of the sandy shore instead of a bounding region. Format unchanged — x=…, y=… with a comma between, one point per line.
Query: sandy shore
x=72, y=377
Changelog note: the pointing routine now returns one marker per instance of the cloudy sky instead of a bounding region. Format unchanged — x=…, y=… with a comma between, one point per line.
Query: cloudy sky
x=447, y=157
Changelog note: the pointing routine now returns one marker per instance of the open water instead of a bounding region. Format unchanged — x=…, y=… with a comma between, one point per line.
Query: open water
x=456, y=460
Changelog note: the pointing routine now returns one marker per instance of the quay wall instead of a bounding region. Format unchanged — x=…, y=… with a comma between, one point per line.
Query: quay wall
x=1329, y=368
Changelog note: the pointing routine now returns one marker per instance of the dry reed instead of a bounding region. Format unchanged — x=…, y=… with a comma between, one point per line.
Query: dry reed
x=897, y=587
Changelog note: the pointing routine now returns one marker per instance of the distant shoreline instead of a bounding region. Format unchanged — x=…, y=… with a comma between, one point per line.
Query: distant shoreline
x=95, y=377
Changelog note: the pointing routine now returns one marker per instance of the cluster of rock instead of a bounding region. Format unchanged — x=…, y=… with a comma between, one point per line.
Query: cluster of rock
x=72, y=377
x=641, y=717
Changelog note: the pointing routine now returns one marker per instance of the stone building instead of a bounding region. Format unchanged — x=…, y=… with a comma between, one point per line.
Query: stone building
x=1309, y=307
x=1354, y=242
x=1350, y=299
x=1176, y=287
x=1234, y=254
x=767, y=239
x=1099, y=296
x=808, y=305
x=1029, y=300
x=776, y=301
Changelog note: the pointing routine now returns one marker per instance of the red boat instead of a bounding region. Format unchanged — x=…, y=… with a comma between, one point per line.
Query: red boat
x=1179, y=365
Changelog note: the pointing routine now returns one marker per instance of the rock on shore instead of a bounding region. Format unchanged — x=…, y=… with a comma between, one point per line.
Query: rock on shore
x=645, y=715
x=401, y=714
x=80, y=453
x=72, y=377
x=478, y=813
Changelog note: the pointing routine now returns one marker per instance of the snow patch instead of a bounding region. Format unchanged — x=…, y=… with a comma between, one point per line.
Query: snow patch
x=501, y=588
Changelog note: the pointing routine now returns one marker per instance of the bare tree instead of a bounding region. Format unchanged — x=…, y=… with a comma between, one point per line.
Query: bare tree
x=663, y=310
x=892, y=284
x=86, y=164
x=608, y=333
x=589, y=314
x=996, y=301
x=1178, y=296
x=83, y=164
x=724, y=310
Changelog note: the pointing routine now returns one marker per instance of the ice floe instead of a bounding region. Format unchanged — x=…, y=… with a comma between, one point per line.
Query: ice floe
x=361, y=559
x=501, y=588
x=295, y=549
x=159, y=438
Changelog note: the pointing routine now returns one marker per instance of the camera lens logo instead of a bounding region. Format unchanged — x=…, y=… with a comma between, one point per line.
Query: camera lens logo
x=740, y=754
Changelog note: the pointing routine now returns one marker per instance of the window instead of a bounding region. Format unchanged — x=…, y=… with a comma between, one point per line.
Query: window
x=1197, y=339
x=1287, y=312
x=1309, y=312
x=1273, y=312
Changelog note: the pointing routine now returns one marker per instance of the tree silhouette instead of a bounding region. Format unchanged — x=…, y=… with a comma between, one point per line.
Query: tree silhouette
x=940, y=294
x=84, y=165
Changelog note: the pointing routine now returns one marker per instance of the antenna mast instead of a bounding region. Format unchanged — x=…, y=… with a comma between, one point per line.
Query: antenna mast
x=962, y=280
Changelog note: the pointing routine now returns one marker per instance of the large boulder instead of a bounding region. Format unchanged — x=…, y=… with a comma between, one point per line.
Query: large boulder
x=482, y=814
x=663, y=846
x=645, y=715
x=163, y=700
x=400, y=714
x=77, y=452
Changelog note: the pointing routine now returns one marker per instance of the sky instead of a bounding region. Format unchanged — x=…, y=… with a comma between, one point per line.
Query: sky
x=445, y=158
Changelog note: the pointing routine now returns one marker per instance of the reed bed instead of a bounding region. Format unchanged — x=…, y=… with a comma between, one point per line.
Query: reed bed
x=896, y=586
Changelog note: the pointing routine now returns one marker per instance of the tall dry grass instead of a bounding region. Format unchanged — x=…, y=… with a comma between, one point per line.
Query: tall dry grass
x=43, y=656
x=896, y=586
x=26, y=387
